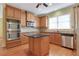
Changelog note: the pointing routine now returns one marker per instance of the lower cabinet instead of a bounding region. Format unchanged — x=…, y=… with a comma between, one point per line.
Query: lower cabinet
x=24, y=39
x=13, y=43
x=56, y=38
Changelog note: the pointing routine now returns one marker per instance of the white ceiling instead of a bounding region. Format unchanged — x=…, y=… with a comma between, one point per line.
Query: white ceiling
x=41, y=10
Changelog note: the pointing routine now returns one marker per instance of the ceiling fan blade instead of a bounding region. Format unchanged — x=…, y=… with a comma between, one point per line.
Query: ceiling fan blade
x=45, y=4
x=37, y=5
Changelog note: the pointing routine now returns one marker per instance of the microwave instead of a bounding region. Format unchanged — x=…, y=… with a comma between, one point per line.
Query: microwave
x=30, y=23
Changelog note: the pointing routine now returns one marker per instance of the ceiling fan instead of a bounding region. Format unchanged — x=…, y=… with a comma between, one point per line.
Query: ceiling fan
x=41, y=4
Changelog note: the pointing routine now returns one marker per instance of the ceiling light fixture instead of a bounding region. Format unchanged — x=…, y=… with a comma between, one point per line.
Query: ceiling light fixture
x=46, y=5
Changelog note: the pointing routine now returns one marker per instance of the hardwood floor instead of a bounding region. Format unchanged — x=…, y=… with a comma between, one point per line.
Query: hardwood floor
x=56, y=50
x=22, y=50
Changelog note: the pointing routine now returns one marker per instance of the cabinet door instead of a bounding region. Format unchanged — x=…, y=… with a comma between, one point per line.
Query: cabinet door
x=17, y=14
x=43, y=21
x=24, y=39
x=13, y=43
x=37, y=21
x=28, y=16
x=57, y=38
x=51, y=38
x=23, y=19
x=44, y=45
x=9, y=11
x=31, y=45
x=32, y=16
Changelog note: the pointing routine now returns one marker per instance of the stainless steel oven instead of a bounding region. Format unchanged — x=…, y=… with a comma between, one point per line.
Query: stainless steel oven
x=13, y=35
x=13, y=29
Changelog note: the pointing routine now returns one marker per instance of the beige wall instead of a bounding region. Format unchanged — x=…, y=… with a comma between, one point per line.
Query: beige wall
x=62, y=12
x=2, y=40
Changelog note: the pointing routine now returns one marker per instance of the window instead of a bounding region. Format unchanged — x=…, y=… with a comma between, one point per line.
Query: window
x=64, y=22
x=52, y=23
x=60, y=22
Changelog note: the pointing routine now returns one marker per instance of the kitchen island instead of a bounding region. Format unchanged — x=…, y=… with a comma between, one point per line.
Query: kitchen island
x=38, y=44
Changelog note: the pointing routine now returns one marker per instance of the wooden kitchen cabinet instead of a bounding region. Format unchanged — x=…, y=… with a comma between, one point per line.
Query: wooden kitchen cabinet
x=37, y=21
x=9, y=11
x=51, y=40
x=17, y=14
x=24, y=39
x=13, y=43
x=30, y=16
x=12, y=12
x=56, y=38
x=23, y=19
x=40, y=21
x=43, y=20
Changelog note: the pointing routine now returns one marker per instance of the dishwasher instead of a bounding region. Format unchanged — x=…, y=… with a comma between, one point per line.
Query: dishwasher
x=67, y=40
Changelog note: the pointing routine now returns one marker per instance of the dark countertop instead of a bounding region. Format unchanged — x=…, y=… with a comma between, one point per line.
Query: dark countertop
x=62, y=33
x=36, y=35
x=67, y=34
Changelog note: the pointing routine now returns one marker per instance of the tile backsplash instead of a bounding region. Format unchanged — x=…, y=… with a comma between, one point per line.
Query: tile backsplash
x=29, y=29
x=61, y=30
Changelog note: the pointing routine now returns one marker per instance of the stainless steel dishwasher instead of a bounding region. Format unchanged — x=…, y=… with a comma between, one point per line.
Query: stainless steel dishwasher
x=67, y=40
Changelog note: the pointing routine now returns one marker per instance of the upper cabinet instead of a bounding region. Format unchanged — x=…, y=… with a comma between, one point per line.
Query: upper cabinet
x=30, y=16
x=37, y=21
x=9, y=11
x=13, y=13
x=23, y=19
x=17, y=13
x=43, y=21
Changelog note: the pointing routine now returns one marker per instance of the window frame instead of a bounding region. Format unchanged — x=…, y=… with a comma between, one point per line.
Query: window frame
x=58, y=22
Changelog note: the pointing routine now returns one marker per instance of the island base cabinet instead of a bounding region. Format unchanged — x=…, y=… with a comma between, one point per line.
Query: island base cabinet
x=45, y=46
x=39, y=46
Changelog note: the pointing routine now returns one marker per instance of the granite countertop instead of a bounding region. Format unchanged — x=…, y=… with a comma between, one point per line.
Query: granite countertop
x=67, y=34
x=36, y=35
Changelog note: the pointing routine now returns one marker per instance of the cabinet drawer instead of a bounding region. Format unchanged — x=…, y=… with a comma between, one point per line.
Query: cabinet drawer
x=13, y=43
